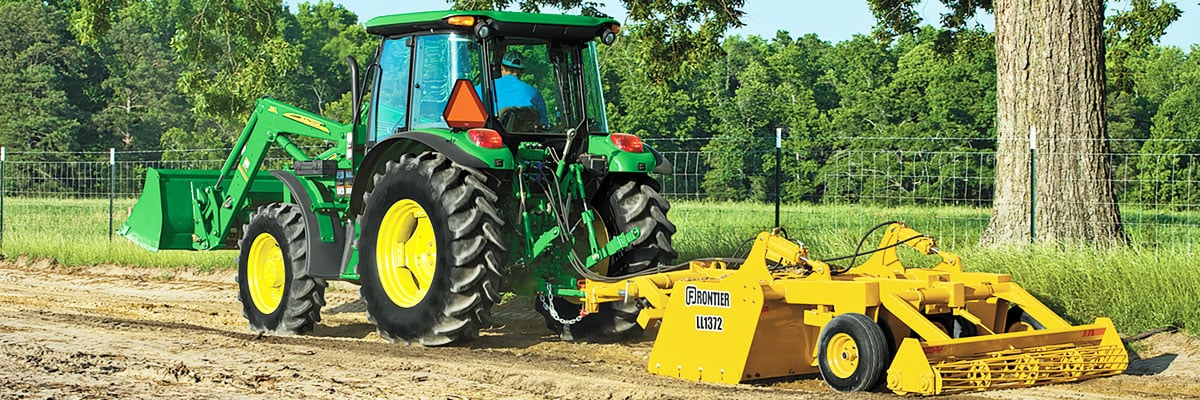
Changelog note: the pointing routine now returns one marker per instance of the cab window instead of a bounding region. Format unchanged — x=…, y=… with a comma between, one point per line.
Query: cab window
x=441, y=59
x=391, y=105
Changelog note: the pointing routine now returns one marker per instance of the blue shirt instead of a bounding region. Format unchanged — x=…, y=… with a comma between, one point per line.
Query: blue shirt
x=511, y=91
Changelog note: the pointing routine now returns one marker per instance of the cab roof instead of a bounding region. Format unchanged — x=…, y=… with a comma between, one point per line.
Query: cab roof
x=505, y=22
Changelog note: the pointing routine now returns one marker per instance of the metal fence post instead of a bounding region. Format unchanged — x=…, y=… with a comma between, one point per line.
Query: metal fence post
x=1032, y=184
x=112, y=187
x=3, y=160
x=778, y=181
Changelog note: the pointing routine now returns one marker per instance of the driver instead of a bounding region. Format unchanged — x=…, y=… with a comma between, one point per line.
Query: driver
x=511, y=91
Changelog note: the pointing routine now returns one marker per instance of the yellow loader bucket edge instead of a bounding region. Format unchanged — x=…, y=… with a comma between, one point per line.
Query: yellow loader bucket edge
x=1010, y=360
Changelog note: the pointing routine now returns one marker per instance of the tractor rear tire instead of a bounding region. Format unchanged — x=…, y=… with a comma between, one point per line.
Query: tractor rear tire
x=623, y=203
x=852, y=353
x=430, y=251
x=278, y=295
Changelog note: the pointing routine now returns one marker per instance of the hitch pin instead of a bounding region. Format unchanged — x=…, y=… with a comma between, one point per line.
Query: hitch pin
x=626, y=291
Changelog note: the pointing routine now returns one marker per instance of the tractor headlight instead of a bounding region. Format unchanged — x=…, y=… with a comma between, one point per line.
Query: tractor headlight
x=609, y=36
x=483, y=30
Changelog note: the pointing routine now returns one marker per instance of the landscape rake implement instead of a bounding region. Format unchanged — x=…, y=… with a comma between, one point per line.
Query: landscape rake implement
x=919, y=330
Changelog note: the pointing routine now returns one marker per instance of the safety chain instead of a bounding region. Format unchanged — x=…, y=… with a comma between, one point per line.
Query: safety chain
x=545, y=298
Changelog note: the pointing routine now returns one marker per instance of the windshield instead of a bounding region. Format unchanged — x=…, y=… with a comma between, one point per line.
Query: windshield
x=556, y=84
x=539, y=86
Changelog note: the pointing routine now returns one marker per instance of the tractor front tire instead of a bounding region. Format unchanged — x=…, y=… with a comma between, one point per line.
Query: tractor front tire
x=430, y=251
x=278, y=295
x=623, y=203
x=852, y=353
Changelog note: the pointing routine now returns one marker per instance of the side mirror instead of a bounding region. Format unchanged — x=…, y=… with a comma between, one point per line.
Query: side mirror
x=355, y=90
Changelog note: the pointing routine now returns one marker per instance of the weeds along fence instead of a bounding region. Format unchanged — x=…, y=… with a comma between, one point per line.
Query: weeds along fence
x=829, y=186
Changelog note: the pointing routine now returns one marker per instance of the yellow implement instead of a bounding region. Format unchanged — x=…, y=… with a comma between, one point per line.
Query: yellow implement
x=919, y=330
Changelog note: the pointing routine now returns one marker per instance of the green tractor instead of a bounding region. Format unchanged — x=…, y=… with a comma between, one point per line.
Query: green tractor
x=447, y=188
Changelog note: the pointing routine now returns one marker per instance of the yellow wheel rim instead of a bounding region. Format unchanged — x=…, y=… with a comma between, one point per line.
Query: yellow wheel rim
x=841, y=355
x=265, y=274
x=406, y=254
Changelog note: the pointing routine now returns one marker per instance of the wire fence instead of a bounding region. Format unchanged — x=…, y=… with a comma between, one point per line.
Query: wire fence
x=943, y=186
x=854, y=182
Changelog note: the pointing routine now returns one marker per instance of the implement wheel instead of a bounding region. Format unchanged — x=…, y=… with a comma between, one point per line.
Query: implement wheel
x=1020, y=321
x=277, y=294
x=955, y=326
x=852, y=353
x=625, y=201
x=430, y=251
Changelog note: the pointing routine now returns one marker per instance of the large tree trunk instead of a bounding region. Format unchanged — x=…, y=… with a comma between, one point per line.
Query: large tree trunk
x=1050, y=78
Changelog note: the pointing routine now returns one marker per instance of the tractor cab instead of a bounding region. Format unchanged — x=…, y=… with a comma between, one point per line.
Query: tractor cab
x=526, y=79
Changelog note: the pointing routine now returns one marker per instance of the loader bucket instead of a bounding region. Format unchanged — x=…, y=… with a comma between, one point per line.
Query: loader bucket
x=162, y=218
x=1010, y=360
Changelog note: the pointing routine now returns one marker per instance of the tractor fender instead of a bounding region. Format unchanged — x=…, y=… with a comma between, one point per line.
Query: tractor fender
x=405, y=143
x=623, y=161
x=662, y=165
x=324, y=258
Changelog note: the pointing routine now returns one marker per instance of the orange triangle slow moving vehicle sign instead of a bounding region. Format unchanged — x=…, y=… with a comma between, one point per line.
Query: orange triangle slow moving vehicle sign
x=464, y=110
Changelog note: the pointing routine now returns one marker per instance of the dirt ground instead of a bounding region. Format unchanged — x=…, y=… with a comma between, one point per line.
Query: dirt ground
x=130, y=333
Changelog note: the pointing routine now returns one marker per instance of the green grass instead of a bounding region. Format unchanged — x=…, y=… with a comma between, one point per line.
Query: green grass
x=1149, y=285
x=74, y=232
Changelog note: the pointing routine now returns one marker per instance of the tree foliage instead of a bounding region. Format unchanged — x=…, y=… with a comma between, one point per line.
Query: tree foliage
x=675, y=37
x=48, y=87
x=891, y=121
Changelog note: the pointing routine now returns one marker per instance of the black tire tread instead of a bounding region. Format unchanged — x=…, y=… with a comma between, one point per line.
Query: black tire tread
x=475, y=250
x=305, y=295
x=1016, y=314
x=873, y=354
x=625, y=202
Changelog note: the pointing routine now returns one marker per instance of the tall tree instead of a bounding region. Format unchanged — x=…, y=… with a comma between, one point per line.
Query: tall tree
x=1050, y=81
x=326, y=34
x=1051, y=87
x=1168, y=164
x=1131, y=36
x=47, y=84
x=1132, y=33
x=233, y=52
x=144, y=100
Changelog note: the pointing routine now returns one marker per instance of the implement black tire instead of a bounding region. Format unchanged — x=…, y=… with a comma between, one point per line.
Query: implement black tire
x=459, y=211
x=273, y=243
x=1018, y=320
x=955, y=326
x=623, y=203
x=852, y=353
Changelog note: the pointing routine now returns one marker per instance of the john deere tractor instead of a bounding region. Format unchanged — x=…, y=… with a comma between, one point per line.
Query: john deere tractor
x=440, y=193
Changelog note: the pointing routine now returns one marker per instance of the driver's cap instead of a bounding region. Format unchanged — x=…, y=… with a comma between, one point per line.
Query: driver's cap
x=512, y=59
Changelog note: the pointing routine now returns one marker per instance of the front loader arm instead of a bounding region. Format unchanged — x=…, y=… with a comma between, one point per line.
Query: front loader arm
x=273, y=123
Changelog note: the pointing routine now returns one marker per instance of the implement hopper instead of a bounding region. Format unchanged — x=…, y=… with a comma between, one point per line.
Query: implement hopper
x=165, y=216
